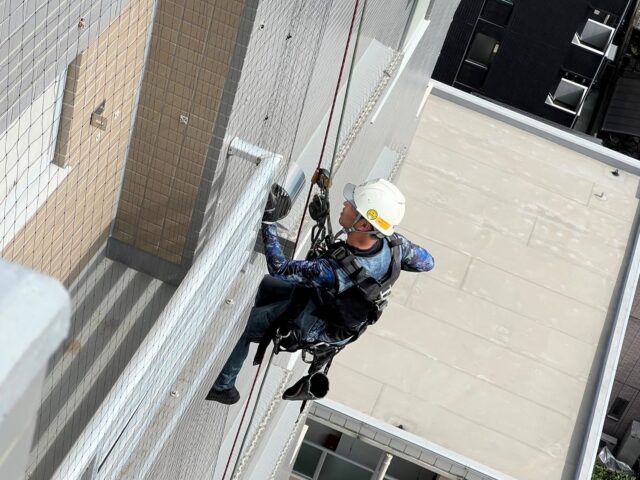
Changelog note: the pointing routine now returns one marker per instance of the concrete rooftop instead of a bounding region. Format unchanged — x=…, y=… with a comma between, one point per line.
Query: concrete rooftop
x=494, y=354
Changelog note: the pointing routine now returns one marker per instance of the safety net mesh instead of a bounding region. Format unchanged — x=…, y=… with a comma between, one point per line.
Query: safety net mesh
x=138, y=141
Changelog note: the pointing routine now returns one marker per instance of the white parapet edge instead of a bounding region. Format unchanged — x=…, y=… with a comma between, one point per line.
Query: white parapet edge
x=560, y=135
x=448, y=461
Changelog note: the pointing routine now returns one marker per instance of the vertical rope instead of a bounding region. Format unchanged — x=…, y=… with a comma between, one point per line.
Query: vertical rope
x=333, y=106
x=347, y=88
x=324, y=144
x=244, y=413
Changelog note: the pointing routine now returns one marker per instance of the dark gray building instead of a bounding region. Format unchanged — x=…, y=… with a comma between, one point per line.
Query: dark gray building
x=624, y=403
x=543, y=57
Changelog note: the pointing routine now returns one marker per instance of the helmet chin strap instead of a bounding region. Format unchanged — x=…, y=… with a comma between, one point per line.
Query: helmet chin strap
x=352, y=229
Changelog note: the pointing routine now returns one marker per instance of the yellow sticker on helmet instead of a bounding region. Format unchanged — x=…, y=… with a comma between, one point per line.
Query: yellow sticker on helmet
x=372, y=214
x=383, y=224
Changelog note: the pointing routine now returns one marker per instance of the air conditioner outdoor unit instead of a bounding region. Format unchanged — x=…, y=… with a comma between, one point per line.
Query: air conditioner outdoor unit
x=609, y=441
x=629, y=449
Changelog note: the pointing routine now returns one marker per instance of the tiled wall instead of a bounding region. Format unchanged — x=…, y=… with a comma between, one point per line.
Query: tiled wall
x=67, y=230
x=189, y=58
x=37, y=42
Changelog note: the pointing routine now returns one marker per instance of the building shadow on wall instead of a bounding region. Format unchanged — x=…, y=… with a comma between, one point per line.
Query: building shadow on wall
x=114, y=308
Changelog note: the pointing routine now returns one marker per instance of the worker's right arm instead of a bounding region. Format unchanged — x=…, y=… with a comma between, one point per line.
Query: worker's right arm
x=414, y=257
x=308, y=273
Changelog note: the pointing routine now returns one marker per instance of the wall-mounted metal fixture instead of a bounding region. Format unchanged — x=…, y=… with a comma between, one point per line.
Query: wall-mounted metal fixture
x=98, y=119
x=291, y=189
x=294, y=181
x=287, y=191
x=248, y=151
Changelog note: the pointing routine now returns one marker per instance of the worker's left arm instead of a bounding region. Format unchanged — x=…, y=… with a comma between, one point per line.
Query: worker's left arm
x=308, y=273
x=414, y=257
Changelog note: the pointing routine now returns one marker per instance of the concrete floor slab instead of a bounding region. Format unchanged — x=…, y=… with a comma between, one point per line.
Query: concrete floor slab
x=493, y=354
x=503, y=327
x=579, y=248
x=511, y=187
x=361, y=391
x=534, y=301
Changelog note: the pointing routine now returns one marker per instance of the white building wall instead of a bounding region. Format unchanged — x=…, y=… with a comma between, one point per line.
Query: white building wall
x=154, y=422
x=364, y=142
x=34, y=319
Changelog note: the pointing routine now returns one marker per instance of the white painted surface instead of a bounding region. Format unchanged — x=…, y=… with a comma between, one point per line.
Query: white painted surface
x=150, y=374
x=34, y=319
x=414, y=38
x=26, y=153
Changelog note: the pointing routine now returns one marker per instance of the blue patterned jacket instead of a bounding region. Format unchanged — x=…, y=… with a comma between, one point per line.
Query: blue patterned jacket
x=321, y=273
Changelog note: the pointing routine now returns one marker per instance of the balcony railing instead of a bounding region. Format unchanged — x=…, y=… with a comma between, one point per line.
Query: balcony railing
x=130, y=407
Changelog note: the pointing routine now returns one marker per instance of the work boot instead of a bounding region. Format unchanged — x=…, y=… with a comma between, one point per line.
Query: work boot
x=228, y=396
x=309, y=387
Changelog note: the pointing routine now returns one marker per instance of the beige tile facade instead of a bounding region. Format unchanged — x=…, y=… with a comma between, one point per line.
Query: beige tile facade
x=74, y=222
x=493, y=354
x=190, y=55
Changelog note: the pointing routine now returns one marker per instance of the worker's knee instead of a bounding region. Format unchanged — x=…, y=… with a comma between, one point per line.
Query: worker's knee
x=272, y=290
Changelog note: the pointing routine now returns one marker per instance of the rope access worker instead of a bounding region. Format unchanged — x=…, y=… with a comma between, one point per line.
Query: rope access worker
x=335, y=307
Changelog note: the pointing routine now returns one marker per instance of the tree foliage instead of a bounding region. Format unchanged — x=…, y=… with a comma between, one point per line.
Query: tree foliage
x=601, y=473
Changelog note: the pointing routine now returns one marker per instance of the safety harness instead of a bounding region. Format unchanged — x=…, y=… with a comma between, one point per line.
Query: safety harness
x=347, y=314
x=350, y=312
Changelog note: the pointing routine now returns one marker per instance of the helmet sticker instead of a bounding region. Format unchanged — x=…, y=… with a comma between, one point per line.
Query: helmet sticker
x=372, y=214
x=383, y=224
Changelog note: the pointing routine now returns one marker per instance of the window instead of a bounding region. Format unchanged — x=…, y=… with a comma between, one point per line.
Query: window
x=475, y=67
x=617, y=409
x=604, y=17
x=482, y=49
x=497, y=11
x=568, y=96
x=335, y=467
x=307, y=460
x=26, y=151
x=327, y=454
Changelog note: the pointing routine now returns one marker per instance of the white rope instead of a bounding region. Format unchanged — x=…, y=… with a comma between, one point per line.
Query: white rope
x=396, y=166
x=246, y=456
x=292, y=435
x=371, y=102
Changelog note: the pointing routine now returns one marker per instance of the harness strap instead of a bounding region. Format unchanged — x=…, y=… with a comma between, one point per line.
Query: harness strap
x=372, y=289
x=349, y=263
x=396, y=257
x=358, y=275
x=394, y=241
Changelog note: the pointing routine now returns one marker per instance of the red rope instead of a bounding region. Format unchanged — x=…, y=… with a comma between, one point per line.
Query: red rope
x=333, y=106
x=244, y=413
x=324, y=145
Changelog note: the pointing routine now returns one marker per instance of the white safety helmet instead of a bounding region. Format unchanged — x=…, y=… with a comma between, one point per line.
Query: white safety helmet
x=379, y=202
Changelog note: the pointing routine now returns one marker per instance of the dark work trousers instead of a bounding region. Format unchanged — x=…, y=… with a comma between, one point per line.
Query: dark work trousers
x=272, y=300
